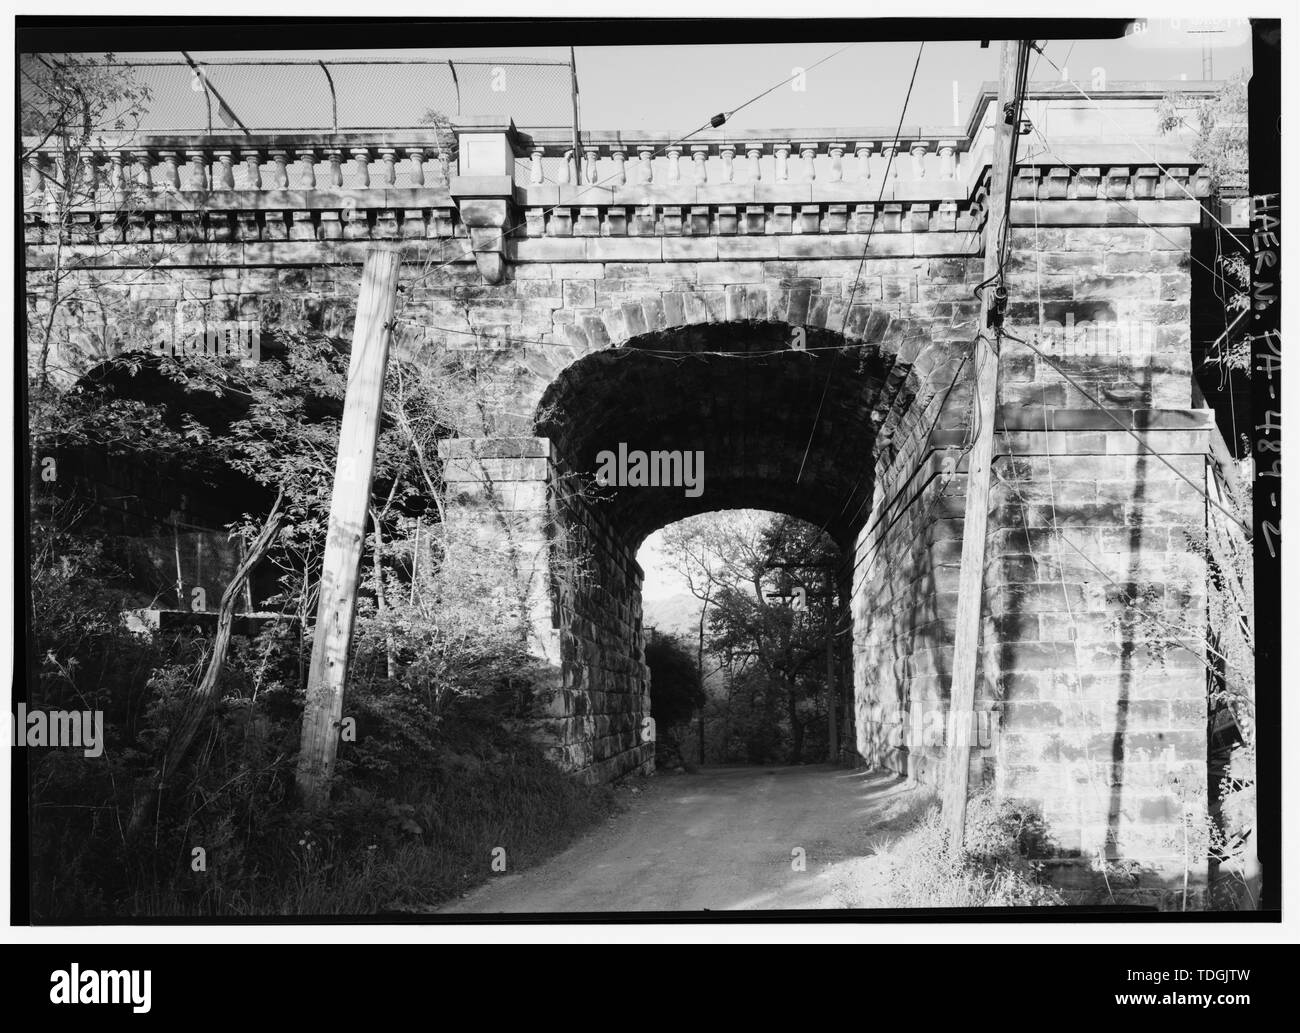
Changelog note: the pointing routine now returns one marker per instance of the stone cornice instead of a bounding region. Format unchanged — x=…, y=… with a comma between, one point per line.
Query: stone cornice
x=1080, y=195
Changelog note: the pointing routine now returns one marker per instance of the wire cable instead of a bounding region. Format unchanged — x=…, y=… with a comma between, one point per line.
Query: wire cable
x=714, y=122
x=1130, y=431
x=1149, y=156
x=861, y=261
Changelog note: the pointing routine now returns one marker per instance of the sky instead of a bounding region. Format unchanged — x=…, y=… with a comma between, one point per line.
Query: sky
x=674, y=89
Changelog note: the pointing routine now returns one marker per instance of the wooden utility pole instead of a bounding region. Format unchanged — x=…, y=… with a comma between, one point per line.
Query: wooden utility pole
x=970, y=588
x=832, y=689
x=577, y=138
x=341, y=570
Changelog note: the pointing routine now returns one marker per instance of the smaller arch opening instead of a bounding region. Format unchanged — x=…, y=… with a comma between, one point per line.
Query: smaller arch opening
x=753, y=602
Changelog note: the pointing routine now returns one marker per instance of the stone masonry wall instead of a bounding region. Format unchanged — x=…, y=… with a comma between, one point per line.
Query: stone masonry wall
x=1103, y=713
x=580, y=587
x=1095, y=593
x=1092, y=681
x=600, y=713
x=904, y=603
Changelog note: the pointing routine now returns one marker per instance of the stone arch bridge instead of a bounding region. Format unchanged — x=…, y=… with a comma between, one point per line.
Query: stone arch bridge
x=799, y=308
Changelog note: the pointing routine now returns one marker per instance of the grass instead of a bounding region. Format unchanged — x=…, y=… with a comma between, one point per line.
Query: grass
x=382, y=849
x=920, y=869
x=526, y=807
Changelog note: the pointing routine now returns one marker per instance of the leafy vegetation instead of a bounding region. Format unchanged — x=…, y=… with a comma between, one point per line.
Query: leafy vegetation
x=923, y=869
x=1221, y=145
x=675, y=694
x=764, y=583
x=438, y=770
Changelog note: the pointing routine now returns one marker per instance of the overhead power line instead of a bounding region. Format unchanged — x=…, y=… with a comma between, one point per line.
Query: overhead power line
x=884, y=180
x=714, y=122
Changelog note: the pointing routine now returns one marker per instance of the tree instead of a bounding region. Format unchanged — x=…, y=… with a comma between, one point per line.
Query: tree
x=769, y=641
x=675, y=694
x=69, y=104
x=675, y=689
x=1221, y=146
x=1221, y=124
x=691, y=547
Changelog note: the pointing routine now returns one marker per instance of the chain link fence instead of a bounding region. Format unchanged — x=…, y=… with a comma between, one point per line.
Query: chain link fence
x=336, y=96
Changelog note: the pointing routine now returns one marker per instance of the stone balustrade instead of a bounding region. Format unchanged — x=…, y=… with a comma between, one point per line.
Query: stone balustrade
x=624, y=160
x=914, y=163
x=154, y=165
x=157, y=165
x=144, y=173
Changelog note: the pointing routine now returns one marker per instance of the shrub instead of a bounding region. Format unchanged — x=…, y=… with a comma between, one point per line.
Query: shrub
x=994, y=869
x=437, y=777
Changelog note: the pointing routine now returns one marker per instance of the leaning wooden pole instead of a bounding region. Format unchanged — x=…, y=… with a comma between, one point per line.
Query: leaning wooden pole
x=832, y=689
x=341, y=571
x=970, y=585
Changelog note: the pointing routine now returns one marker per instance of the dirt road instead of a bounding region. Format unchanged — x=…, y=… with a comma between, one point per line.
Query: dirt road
x=721, y=839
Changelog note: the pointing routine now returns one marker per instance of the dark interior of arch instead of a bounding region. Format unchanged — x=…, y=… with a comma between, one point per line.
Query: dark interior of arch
x=739, y=393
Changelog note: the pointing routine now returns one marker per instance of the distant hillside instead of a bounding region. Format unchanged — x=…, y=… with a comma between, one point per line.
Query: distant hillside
x=680, y=615
x=673, y=615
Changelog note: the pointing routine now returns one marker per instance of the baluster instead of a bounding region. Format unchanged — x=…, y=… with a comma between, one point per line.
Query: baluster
x=388, y=156
x=782, y=152
x=862, y=151
x=280, y=177
x=33, y=177
x=646, y=154
x=335, y=158
x=307, y=156
x=143, y=176
x=361, y=155
x=755, y=155
x=700, y=157
x=567, y=169
x=808, y=152
x=537, y=175
x=589, y=165
x=223, y=171
x=837, y=162
x=89, y=174
x=74, y=174
x=620, y=165
x=919, y=150
x=887, y=152
x=170, y=173
x=728, y=152
x=52, y=187
x=252, y=160
x=116, y=179
x=53, y=190
x=674, y=169
x=62, y=176
x=416, y=155
x=947, y=159
x=196, y=163
x=50, y=177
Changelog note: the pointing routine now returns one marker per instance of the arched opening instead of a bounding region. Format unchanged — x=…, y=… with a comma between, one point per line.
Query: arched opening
x=694, y=419
x=745, y=626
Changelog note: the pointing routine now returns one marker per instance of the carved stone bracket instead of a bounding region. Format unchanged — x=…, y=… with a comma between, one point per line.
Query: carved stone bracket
x=485, y=203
